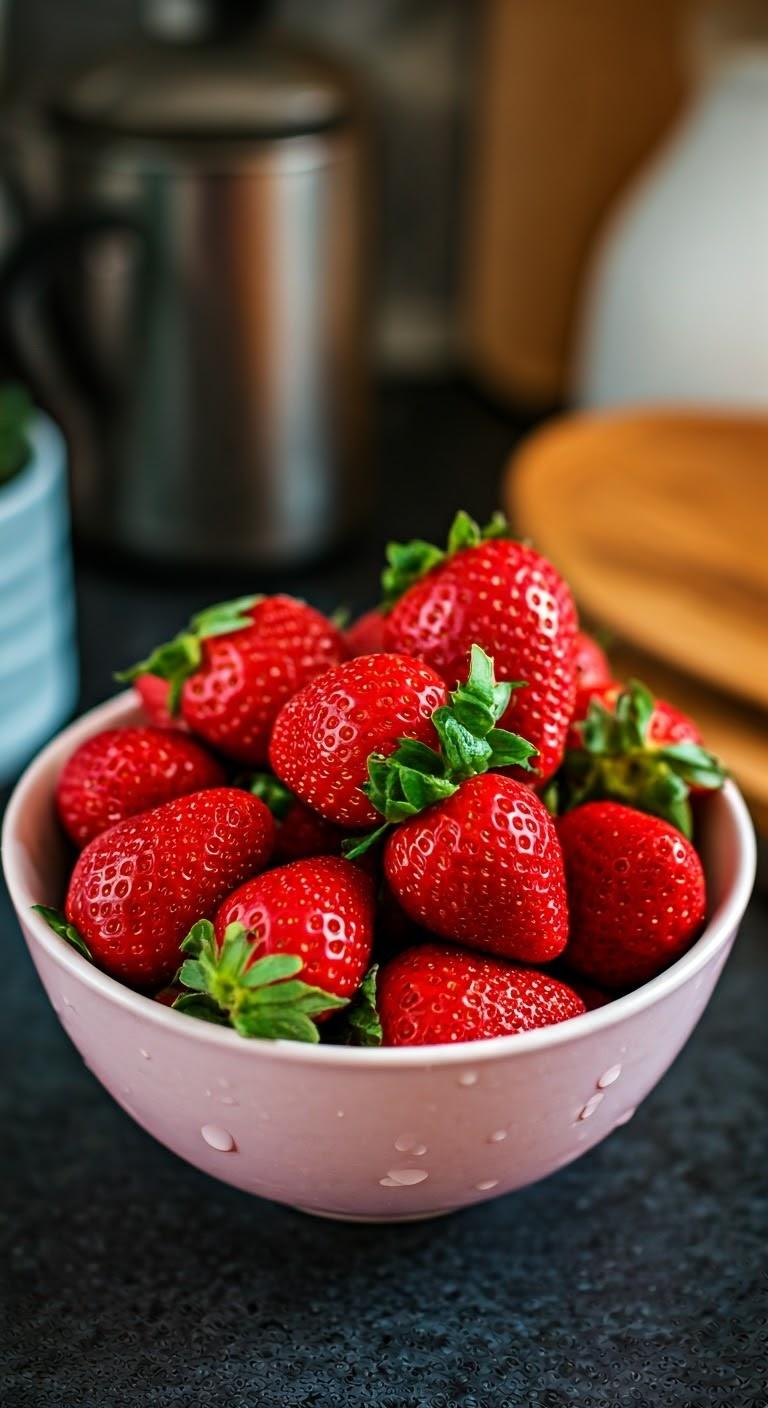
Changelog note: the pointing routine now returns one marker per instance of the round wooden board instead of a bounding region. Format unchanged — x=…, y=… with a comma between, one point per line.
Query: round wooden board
x=659, y=521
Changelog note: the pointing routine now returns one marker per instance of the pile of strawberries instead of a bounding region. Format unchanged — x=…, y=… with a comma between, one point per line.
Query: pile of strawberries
x=445, y=823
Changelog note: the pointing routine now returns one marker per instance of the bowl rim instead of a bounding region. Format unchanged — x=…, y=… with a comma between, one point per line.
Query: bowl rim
x=125, y=708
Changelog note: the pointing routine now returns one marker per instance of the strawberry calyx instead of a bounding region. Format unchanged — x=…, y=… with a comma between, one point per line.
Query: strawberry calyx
x=179, y=658
x=57, y=920
x=619, y=762
x=415, y=775
x=259, y=999
x=360, y=1024
x=272, y=792
x=409, y=562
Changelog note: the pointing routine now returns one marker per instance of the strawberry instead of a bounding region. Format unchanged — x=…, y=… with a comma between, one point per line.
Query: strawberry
x=322, y=740
x=313, y=917
x=301, y=832
x=320, y=909
x=626, y=746
x=437, y=993
x=235, y=666
x=323, y=736
x=154, y=694
x=123, y=771
x=484, y=868
x=136, y=889
x=592, y=668
x=636, y=893
x=366, y=635
x=501, y=595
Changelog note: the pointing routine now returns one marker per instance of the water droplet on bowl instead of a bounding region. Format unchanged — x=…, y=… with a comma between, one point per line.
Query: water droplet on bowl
x=625, y=1118
x=590, y=1107
x=69, y=1003
x=497, y=1136
x=218, y=1138
x=339, y=1114
x=410, y=1144
x=468, y=1078
x=403, y=1177
x=144, y=1053
x=609, y=1076
x=486, y=1184
x=227, y=1100
x=223, y=1082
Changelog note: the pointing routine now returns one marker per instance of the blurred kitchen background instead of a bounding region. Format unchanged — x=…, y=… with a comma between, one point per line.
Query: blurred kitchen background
x=293, y=278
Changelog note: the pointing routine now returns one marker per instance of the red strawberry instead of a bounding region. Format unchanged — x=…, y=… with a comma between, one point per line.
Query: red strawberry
x=154, y=694
x=636, y=893
x=320, y=910
x=124, y=771
x=323, y=736
x=626, y=746
x=592, y=668
x=232, y=671
x=136, y=889
x=366, y=635
x=484, y=868
x=500, y=595
x=436, y=993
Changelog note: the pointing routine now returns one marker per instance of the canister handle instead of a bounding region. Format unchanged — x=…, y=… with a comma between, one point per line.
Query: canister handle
x=32, y=340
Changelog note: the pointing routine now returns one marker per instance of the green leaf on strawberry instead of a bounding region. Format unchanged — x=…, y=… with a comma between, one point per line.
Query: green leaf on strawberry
x=272, y=792
x=181, y=657
x=622, y=760
x=261, y=998
x=415, y=775
x=409, y=562
x=359, y=1024
x=58, y=921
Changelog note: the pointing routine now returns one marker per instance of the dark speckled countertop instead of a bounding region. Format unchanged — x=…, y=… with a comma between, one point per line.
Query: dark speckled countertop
x=635, y=1276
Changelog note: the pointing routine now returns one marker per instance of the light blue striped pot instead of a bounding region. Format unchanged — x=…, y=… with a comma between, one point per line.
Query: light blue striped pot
x=38, y=651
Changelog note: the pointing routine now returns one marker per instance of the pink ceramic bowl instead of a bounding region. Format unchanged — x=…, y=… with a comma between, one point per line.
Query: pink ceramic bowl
x=367, y=1134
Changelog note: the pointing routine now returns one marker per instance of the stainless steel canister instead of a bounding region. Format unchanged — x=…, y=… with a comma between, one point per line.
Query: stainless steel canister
x=188, y=297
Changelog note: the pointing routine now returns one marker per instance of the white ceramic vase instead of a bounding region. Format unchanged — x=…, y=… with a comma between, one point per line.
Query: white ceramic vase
x=676, y=301
x=38, y=653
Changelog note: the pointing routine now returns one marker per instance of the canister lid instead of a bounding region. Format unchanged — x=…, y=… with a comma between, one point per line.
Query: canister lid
x=212, y=93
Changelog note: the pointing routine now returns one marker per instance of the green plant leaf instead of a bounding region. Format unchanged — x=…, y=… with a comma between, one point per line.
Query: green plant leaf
x=58, y=921
x=16, y=415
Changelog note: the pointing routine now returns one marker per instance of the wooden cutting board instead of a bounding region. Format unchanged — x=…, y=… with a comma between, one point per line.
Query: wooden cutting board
x=660, y=523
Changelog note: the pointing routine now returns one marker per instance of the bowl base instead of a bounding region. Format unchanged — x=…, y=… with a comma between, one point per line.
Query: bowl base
x=375, y=1217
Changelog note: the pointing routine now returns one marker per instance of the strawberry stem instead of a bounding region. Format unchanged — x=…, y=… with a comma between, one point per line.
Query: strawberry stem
x=618, y=762
x=407, y=563
x=415, y=775
x=181, y=657
x=359, y=1024
x=260, y=998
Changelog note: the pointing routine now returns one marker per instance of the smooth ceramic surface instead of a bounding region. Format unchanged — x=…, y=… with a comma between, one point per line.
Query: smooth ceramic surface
x=38, y=655
x=368, y=1134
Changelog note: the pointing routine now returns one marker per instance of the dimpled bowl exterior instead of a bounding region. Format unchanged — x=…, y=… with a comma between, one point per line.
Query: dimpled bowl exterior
x=367, y=1134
